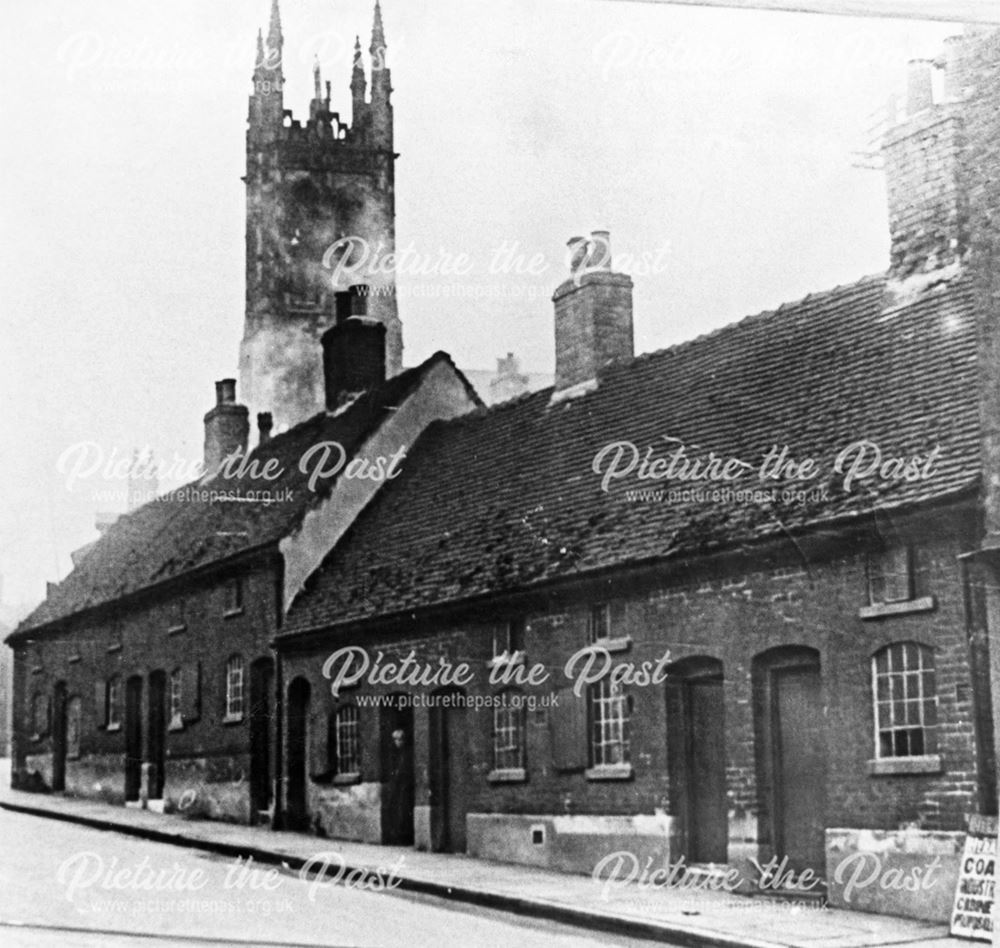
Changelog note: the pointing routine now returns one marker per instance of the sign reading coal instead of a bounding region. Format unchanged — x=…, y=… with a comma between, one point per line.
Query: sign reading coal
x=972, y=916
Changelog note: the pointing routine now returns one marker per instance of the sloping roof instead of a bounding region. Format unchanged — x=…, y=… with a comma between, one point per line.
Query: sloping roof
x=506, y=498
x=188, y=529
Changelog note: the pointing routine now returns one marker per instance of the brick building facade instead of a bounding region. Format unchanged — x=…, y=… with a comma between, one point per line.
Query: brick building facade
x=826, y=645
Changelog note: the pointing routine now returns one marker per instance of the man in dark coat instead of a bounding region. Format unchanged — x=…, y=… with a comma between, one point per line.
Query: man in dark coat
x=399, y=796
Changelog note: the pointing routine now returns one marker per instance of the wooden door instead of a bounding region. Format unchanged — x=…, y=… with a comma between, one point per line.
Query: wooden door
x=157, y=724
x=296, y=806
x=696, y=758
x=449, y=778
x=261, y=686
x=133, y=738
x=799, y=766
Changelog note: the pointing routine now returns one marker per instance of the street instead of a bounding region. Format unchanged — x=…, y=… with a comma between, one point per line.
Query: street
x=67, y=885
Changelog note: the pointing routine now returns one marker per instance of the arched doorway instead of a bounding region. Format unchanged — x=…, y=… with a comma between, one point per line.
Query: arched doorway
x=791, y=738
x=261, y=701
x=696, y=757
x=296, y=806
x=59, y=737
x=449, y=771
x=396, y=739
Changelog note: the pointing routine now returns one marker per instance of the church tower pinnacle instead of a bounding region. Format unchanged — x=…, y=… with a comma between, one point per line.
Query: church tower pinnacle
x=314, y=188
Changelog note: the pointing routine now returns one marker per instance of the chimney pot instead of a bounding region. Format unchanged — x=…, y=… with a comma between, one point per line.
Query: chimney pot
x=600, y=250
x=225, y=392
x=577, y=252
x=265, y=423
x=359, y=299
x=341, y=306
x=920, y=88
x=954, y=79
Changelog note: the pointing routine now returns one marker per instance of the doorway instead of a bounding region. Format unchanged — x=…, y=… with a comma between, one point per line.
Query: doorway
x=696, y=758
x=790, y=722
x=156, y=722
x=59, y=737
x=133, y=738
x=261, y=686
x=449, y=774
x=396, y=741
x=296, y=807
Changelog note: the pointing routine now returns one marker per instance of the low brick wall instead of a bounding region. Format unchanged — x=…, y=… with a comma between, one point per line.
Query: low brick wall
x=352, y=812
x=214, y=788
x=908, y=872
x=98, y=776
x=567, y=843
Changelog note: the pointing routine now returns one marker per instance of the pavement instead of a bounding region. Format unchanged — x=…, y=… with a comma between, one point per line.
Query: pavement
x=702, y=918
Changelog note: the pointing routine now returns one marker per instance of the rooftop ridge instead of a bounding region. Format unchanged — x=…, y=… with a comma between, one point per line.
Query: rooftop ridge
x=865, y=282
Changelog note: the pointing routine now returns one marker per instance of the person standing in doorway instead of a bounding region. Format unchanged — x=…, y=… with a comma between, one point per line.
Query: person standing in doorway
x=399, y=808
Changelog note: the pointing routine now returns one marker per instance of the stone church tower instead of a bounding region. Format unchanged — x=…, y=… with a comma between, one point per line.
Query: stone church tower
x=320, y=197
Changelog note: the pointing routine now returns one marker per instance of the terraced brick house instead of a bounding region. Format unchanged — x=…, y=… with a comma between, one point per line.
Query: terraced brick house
x=817, y=642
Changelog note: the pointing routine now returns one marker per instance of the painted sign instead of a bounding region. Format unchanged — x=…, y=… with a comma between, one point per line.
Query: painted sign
x=972, y=916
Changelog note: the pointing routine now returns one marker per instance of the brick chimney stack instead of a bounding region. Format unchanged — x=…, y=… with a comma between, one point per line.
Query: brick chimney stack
x=593, y=315
x=353, y=350
x=227, y=426
x=928, y=203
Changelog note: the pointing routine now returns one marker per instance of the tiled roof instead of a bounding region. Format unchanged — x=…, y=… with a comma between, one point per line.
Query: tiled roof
x=173, y=535
x=505, y=498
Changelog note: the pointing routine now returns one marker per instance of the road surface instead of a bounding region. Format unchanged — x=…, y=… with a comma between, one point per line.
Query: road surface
x=65, y=885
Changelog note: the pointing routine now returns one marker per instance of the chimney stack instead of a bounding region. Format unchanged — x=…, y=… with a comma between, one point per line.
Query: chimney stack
x=593, y=313
x=353, y=350
x=265, y=422
x=928, y=207
x=227, y=426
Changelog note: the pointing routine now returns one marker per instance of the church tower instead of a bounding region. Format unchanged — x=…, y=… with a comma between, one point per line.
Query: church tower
x=320, y=219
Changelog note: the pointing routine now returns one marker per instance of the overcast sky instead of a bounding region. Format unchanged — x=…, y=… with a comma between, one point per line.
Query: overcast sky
x=718, y=143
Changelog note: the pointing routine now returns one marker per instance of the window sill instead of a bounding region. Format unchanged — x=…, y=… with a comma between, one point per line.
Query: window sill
x=233, y=719
x=176, y=629
x=113, y=727
x=74, y=659
x=609, y=772
x=508, y=775
x=620, y=644
x=116, y=647
x=346, y=780
x=230, y=613
x=902, y=766
x=882, y=610
x=75, y=756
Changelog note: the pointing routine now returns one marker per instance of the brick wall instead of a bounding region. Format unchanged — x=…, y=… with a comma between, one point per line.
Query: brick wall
x=982, y=168
x=206, y=758
x=732, y=612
